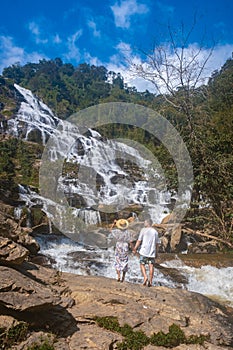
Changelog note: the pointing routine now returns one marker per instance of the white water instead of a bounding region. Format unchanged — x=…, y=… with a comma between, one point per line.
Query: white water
x=216, y=283
x=97, y=158
x=207, y=280
x=32, y=115
x=96, y=262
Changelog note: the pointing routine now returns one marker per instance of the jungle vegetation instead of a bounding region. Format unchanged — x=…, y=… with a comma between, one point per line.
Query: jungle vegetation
x=206, y=128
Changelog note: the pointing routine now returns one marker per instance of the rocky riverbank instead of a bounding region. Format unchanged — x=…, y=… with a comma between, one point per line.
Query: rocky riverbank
x=41, y=308
x=39, y=305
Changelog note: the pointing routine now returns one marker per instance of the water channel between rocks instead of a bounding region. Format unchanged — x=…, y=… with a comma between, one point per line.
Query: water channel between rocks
x=208, y=274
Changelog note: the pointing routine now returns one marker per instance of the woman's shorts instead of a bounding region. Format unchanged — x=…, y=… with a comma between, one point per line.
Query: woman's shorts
x=144, y=260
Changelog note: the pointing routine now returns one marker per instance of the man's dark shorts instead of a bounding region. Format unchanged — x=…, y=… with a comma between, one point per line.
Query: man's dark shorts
x=144, y=260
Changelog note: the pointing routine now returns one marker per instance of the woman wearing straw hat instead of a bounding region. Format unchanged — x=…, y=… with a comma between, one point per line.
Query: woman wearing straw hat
x=123, y=241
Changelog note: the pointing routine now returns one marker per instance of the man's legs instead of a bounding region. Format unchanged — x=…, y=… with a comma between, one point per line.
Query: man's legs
x=143, y=270
x=151, y=274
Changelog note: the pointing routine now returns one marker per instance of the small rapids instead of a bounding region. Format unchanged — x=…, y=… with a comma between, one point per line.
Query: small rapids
x=68, y=256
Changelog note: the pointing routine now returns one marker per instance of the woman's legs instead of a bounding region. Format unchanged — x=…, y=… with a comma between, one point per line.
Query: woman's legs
x=123, y=276
x=118, y=275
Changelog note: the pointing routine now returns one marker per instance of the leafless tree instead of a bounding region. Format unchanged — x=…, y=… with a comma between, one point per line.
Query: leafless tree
x=176, y=68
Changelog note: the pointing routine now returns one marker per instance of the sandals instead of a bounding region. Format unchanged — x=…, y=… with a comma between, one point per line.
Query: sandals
x=147, y=283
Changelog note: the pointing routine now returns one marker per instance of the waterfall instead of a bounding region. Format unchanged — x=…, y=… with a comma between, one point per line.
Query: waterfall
x=85, y=176
x=34, y=120
x=18, y=212
x=102, y=178
x=93, y=176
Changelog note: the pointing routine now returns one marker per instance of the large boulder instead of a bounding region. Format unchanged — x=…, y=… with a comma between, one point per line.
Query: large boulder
x=11, y=253
x=29, y=243
x=19, y=292
x=151, y=310
x=12, y=228
x=46, y=295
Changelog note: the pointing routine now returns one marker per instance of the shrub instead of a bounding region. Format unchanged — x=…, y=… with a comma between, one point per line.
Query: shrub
x=137, y=340
x=16, y=333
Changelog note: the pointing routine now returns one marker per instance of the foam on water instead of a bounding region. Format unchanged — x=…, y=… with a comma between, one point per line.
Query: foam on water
x=61, y=250
x=216, y=283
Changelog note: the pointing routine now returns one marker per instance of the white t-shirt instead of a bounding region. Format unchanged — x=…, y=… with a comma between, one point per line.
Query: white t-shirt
x=149, y=237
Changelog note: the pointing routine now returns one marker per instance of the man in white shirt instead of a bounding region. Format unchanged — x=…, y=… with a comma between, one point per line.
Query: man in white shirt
x=148, y=241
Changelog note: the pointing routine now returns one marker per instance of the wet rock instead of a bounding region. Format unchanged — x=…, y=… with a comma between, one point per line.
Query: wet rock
x=43, y=260
x=173, y=274
x=203, y=247
x=84, y=256
x=29, y=243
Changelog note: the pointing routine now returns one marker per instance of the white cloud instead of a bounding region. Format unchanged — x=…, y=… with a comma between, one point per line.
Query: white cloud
x=125, y=10
x=117, y=64
x=11, y=54
x=57, y=39
x=124, y=49
x=92, y=60
x=220, y=54
x=92, y=25
x=73, y=51
x=36, y=32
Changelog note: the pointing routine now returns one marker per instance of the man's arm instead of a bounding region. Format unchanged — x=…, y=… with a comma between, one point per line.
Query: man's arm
x=156, y=250
x=137, y=245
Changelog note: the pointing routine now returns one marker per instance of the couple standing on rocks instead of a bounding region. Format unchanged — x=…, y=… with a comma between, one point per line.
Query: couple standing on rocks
x=148, y=241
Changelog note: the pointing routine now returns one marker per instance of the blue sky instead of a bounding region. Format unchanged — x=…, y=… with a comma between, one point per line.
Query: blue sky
x=104, y=32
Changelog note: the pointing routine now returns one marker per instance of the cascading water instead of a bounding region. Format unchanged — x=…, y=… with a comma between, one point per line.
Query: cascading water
x=33, y=116
x=105, y=178
x=109, y=161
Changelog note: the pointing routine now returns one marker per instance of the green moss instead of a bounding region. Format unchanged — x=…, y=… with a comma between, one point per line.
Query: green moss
x=197, y=339
x=110, y=323
x=137, y=340
x=37, y=216
x=44, y=345
x=15, y=334
x=134, y=340
x=173, y=338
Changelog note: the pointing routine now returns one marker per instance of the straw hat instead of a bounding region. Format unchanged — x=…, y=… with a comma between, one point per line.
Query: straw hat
x=122, y=224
